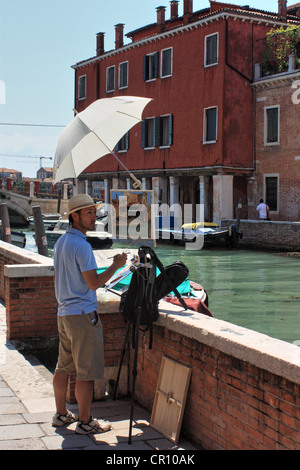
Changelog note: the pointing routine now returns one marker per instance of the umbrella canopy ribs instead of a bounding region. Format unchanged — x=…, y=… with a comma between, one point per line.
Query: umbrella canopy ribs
x=94, y=133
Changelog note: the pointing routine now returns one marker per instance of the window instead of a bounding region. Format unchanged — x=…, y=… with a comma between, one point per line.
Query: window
x=157, y=132
x=82, y=87
x=123, y=75
x=211, y=49
x=166, y=62
x=166, y=131
x=110, y=79
x=148, y=133
x=271, y=191
x=210, y=125
x=123, y=143
x=272, y=125
x=150, y=66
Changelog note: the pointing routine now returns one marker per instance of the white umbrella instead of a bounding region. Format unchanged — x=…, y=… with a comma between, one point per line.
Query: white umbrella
x=94, y=133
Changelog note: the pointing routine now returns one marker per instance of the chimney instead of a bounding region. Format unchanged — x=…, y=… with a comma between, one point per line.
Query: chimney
x=187, y=10
x=282, y=9
x=119, y=42
x=174, y=9
x=100, y=44
x=161, y=11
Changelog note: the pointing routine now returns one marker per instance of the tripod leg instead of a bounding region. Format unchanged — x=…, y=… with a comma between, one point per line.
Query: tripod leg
x=121, y=361
x=141, y=279
x=134, y=372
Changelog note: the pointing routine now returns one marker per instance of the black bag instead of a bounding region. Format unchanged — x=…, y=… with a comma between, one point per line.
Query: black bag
x=145, y=289
x=173, y=275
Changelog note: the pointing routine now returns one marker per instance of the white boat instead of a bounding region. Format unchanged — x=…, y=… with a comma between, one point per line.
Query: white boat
x=18, y=239
x=48, y=219
x=208, y=233
x=99, y=239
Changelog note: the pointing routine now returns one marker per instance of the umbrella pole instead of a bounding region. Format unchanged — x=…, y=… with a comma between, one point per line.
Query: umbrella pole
x=137, y=184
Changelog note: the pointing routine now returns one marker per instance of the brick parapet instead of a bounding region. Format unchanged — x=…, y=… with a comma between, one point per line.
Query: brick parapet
x=244, y=389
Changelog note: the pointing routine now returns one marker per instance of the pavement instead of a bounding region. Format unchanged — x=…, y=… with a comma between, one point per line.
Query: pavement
x=27, y=405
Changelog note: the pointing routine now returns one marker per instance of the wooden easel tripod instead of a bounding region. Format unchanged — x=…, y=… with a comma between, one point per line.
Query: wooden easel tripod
x=146, y=274
x=141, y=280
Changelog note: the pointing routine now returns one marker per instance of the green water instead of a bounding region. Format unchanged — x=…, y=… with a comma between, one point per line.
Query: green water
x=256, y=290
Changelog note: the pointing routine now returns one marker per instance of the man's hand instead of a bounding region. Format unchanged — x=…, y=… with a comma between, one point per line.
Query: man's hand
x=94, y=280
x=120, y=260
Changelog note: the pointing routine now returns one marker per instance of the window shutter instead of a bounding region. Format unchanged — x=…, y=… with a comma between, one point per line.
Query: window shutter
x=143, y=124
x=157, y=132
x=171, y=129
x=145, y=66
x=127, y=140
x=156, y=64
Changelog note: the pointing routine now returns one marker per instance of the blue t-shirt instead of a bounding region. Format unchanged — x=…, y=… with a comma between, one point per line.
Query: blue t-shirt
x=73, y=255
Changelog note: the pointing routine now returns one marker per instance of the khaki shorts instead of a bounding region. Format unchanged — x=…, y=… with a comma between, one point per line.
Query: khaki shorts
x=81, y=346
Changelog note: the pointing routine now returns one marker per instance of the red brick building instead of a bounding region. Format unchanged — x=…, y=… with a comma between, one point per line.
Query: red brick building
x=276, y=178
x=196, y=143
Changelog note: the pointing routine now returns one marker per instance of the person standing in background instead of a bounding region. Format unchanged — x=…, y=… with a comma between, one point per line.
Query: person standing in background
x=263, y=210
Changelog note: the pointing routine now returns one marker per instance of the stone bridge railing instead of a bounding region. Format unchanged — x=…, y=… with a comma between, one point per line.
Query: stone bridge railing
x=21, y=206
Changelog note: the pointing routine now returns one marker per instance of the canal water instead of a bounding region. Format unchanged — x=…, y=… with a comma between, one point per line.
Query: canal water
x=253, y=289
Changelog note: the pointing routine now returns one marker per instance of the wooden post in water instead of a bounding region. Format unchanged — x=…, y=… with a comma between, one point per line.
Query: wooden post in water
x=6, y=233
x=238, y=215
x=39, y=228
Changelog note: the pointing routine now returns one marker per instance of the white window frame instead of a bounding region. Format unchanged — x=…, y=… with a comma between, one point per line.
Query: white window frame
x=205, y=126
x=119, y=78
x=205, y=50
x=271, y=175
x=266, y=108
x=161, y=62
x=83, y=97
x=110, y=90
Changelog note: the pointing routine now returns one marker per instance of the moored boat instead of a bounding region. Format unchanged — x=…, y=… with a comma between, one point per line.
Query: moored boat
x=194, y=295
x=203, y=234
x=48, y=219
x=17, y=238
x=99, y=239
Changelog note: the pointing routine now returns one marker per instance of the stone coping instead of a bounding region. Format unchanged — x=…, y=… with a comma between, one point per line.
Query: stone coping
x=21, y=255
x=29, y=264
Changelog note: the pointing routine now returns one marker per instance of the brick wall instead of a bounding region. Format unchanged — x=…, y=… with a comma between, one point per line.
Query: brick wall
x=31, y=307
x=281, y=159
x=27, y=286
x=231, y=404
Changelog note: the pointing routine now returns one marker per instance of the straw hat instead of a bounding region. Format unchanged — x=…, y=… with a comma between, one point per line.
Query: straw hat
x=81, y=201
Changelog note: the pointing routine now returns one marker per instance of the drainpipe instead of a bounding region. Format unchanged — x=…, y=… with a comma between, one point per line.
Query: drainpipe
x=226, y=56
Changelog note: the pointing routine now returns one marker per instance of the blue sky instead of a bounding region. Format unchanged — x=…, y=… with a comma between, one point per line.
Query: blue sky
x=39, y=41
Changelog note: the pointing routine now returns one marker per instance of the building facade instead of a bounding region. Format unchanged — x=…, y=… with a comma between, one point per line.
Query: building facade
x=196, y=142
x=276, y=177
x=44, y=173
